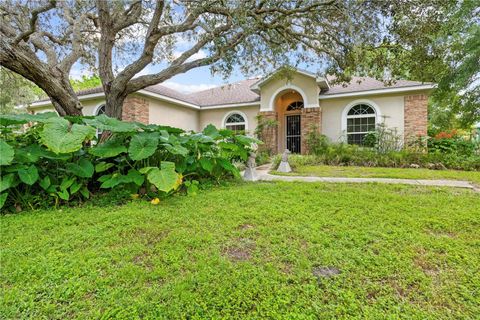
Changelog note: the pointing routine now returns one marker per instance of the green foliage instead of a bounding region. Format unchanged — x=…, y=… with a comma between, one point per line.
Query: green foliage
x=15, y=90
x=383, y=139
x=164, y=178
x=143, y=145
x=315, y=141
x=86, y=82
x=467, y=157
x=265, y=130
x=6, y=153
x=60, y=136
x=108, y=149
x=83, y=169
x=28, y=175
x=454, y=144
x=59, y=160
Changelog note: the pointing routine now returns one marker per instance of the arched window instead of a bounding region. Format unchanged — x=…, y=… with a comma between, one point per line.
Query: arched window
x=361, y=119
x=100, y=110
x=297, y=105
x=236, y=122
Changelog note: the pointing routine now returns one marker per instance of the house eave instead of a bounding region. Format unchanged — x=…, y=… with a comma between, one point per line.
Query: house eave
x=321, y=82
x=232, y=105
x=81, y=98
x=141, y=92
x=377, y=91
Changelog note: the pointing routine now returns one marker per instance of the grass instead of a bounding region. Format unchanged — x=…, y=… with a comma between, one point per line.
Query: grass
x=266, y=250
x=377, y=172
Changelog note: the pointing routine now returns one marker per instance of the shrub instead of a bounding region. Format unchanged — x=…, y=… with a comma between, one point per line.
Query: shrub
x=59, y=160
x=265, y=131
x=383, y=148
x=383, y=139
x=315, y=141
x=353, y=155
x=453, y=143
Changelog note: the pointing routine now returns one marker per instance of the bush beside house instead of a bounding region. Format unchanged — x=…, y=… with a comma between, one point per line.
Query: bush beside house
x=61, y=160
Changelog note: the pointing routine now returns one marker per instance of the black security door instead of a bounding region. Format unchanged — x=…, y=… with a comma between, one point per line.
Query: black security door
x=293, y=130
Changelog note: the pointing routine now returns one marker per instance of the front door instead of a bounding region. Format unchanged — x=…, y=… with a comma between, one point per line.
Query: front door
x=293, y=130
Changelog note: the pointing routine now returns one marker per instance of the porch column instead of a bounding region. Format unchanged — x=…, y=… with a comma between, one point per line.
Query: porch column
x=415, y=117
x=311, y=119
x=136, y=108
x=269, y=132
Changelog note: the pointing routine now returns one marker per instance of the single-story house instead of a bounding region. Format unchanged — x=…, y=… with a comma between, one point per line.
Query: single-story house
x=297, y=104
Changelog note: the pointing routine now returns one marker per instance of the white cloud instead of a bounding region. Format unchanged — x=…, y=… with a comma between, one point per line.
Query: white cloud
x=187, y=88
x=199, y=55
x=78, y=71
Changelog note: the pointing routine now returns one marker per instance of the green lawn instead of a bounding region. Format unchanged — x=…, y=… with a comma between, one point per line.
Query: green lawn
x=376, y=172
x=266, y=250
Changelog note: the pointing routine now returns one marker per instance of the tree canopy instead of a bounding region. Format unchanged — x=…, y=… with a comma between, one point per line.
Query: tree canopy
x=122, y=40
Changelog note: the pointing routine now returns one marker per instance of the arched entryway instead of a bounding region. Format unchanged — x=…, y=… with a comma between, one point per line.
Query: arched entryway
x=289, y=105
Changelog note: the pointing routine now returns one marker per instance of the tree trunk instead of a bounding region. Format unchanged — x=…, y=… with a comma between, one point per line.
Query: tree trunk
x=114, y=103
x=51, y=80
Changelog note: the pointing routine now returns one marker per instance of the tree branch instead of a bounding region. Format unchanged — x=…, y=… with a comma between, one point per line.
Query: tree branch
x=178, y=66
x=33, y=21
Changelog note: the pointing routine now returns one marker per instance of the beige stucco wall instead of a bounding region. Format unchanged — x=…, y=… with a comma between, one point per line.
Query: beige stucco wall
x=174, y=115
x=216, y=116
x=305, y=85
x=89, y=106
x=390, y=107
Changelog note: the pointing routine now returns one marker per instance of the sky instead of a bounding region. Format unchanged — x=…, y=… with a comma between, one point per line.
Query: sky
x=194, y=80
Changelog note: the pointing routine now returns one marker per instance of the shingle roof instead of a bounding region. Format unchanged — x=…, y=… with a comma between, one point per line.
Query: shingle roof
x=358, y=84
x=238, y=92
x=158, y=89
x=241, y=91
x=164, y=91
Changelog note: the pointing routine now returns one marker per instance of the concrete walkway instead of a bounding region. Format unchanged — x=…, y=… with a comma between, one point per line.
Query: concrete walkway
x=264, y=175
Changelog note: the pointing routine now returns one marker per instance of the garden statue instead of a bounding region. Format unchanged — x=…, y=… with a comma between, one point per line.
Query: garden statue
x=250, y=173
x=284, y=165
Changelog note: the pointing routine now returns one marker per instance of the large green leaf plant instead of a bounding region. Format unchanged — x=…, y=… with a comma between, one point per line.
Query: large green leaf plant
x=48, y=160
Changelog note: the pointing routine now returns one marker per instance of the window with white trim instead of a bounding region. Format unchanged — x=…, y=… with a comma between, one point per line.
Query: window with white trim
x=361, y=119
x=297, y=105
x=235, y=122
x=100, y=110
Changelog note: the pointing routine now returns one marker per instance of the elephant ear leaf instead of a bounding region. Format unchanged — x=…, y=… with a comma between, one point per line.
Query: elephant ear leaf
x=165, y=179
x=103, y=122
x=84, y=168
x=3, y=198
x=6, y=153
x=143, y=145
x=6, y=181
x=61, y=137
x=108, y=149
x=28, y=175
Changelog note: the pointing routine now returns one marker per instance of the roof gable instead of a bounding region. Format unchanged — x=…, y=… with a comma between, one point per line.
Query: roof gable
x=321, y=82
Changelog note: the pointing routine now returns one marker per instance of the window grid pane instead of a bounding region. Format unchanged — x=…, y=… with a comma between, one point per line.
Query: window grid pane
x=236, y=128
x=297, y=105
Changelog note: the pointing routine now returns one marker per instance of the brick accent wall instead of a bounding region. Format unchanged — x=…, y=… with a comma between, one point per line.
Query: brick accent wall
x=270, y=134
x=311, y=118
x=415, y=117
x=136, y=108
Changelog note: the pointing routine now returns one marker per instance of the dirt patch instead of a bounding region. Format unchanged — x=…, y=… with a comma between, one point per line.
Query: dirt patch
x=287, y=267
x=420, y=261
x=143, y=260
x=245, y=226
x=241, y=250
x=149, y=236
x=325, y=271
x=441, y=233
